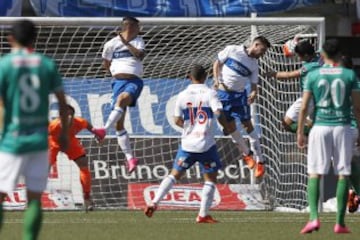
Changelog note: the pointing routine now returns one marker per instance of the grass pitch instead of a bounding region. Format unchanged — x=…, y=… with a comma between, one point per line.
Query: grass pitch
x=176, y=225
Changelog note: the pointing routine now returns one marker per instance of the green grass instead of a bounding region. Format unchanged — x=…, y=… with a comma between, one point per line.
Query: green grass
x=174, y=225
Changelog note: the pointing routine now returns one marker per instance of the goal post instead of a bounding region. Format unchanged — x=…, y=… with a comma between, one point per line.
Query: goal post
x=172, y=45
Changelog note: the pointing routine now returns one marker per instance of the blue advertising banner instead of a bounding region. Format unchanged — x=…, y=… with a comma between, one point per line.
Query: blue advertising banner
x=164, y=8
x=152, y=115
x=10, y=8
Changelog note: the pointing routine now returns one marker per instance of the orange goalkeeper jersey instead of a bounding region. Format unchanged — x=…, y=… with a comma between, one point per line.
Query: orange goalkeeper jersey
x=77, y=125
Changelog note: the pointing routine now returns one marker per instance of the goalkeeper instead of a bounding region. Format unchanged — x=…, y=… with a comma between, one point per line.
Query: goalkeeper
x=311, y=60
x=122, y=56
x=75, y=152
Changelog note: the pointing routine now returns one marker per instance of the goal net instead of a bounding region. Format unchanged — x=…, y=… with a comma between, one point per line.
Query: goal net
x=172, y=45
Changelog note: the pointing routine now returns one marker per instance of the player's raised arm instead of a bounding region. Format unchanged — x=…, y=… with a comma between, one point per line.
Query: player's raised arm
x=63, y=138
x=217, y=66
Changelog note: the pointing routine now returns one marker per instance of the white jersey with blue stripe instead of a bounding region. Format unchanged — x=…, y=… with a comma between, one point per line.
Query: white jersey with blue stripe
x=196, y=105
x=238, y=68
x=122, y=60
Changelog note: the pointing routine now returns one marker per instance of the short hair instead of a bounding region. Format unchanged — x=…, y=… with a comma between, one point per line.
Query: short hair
x=198, y=72
x=331, y=48
x=263, y=40
x=130, y=19
x=24, y=32
x=346, y=61
x=304, y=47
x=71, y=108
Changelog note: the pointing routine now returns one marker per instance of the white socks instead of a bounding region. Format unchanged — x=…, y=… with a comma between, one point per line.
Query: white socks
x=207, y=198
x=124, y=143
x=164, y=188
x=114, y=116
x=238, y=139
x=255, y=145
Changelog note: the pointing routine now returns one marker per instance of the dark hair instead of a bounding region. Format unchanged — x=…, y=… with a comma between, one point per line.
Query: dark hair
x=346, y=61
x=198, y=72
x=71, y=108
x=24, y=32
x=130, y=19
x=263, y=40
x=304, y=47
x=331, y=47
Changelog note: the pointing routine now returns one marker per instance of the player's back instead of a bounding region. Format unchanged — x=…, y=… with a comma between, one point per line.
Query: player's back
x=198, y=103
x=26, y=80
x=332, y=87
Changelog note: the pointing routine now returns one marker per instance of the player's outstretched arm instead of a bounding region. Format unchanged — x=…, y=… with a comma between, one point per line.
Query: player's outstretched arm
x=63, y=138
x=284, y=75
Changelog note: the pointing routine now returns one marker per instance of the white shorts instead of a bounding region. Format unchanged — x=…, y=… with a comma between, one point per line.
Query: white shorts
x=294, y=110
x=328, y=143
x=34, y=167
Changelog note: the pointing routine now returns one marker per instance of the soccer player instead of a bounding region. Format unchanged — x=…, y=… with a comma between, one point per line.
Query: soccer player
x=334, y=90
x=122, y=56
x=195, y=110
x=26, y=80
x=235, y=66
x=353, y=197
x=311, y=60
x=76, y=152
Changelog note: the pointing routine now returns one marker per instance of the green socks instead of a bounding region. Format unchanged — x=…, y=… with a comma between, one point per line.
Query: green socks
x=313, y=197
x=342, y=189
x=32, y=220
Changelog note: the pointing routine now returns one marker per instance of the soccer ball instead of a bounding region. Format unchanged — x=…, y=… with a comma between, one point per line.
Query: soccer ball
x=289, y=48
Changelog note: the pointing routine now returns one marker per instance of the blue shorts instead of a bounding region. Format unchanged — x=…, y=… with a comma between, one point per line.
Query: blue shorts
x=209, y=161
x=133, y=87
x=235, y=105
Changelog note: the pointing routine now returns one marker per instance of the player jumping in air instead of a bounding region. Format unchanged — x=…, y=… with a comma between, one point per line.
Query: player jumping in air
x=122, y=56
x=234, y=67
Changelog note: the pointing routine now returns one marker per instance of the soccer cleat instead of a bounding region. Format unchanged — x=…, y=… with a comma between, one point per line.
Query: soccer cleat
x=131, y=164
x=311, y=226
x=89, y=205
x=259, y=169
x=341, y=229
x=100, y=133
x=248, y=159
x=149, y=210
x=353, y=201
x=206, y=219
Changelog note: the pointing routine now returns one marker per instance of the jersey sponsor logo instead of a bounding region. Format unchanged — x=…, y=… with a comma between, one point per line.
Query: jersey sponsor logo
x=122, y=54
x=330, y=71
x=238, y=67
x=181, y=195
x=26, y=61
